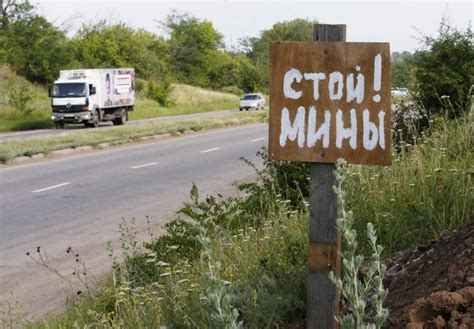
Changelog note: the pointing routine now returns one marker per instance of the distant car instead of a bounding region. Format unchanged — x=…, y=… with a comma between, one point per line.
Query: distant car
x=399, y=91
x=252, y=101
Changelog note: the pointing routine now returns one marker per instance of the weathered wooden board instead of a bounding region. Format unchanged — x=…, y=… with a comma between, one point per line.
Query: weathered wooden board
x=334, y=103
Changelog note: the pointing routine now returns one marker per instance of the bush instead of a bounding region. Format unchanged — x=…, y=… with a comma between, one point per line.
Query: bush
x=444, y=70
x=19, y=95
x=139, y=85
x=232, y=90
x=161, y=92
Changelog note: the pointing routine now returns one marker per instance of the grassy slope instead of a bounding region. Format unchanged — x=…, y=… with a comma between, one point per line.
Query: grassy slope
x=187, y=100
x=12, y=119
x=259, y=243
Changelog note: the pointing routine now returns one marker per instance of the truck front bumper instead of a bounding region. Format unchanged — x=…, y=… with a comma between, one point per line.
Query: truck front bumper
x=72, y=117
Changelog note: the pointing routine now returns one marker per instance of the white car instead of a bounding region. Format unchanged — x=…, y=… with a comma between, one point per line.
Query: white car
x=252, y=101
x=399, y=91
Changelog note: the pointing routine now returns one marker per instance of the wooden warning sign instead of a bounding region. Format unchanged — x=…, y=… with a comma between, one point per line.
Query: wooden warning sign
x=330, y=100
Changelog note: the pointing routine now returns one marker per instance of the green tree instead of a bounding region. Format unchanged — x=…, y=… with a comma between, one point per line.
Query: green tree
x=193, y=46
x=444, y=70
x=257, y=49
x=35, y=48
x=12, y=11
x=402, y=70
x=100, y=45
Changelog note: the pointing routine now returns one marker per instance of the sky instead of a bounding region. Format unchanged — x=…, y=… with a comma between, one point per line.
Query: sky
x=401, y=23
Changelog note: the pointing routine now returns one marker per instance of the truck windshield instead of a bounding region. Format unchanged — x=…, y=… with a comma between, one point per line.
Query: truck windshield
x=70, y=90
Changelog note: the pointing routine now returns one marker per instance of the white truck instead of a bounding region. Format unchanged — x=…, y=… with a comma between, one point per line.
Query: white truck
x=91, y=96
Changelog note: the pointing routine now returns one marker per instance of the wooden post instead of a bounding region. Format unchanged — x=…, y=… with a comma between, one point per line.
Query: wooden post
x=324, y=239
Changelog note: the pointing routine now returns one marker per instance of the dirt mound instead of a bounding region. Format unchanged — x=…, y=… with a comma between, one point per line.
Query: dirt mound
x=433, y=285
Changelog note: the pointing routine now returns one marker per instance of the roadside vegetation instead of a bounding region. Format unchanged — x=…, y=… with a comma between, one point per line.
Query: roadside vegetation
x=99, y=138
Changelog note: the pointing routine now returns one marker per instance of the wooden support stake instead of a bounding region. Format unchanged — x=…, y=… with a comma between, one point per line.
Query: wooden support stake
x=324, y=239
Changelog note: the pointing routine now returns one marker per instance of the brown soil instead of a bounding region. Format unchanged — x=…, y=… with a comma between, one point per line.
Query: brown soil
x=433, y=285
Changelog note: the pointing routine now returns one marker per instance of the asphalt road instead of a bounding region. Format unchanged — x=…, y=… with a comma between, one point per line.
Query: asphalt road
x=71, y=128
x=80, y=200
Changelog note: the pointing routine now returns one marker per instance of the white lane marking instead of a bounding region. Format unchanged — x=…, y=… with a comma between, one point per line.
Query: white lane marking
x=145, y=165
x=257, y=139
x=210, y=150
x=51, y=187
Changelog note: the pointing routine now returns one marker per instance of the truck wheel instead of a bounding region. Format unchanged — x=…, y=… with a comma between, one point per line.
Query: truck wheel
x=95, y=121
x=122, y=119
x=59, y=124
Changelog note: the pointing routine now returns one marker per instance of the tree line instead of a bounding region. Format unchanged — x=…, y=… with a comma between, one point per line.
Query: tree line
x=193, y=52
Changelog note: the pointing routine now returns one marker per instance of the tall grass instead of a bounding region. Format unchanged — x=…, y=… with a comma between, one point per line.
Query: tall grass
x=426, y=190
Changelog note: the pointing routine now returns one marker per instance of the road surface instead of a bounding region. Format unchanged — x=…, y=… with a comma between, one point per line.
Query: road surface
x=72, y=128
x=80, y=200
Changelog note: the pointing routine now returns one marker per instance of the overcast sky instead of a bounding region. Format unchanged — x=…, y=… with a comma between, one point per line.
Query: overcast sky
x=375, y=21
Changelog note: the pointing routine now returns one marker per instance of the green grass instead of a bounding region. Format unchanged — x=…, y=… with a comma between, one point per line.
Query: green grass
x=121, y=135
x=187, y=100
x=427, y=189
x=12, y=119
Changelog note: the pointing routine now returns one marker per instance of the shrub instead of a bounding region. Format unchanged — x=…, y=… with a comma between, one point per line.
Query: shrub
x=161, y=92
x=232, y=90
x=139, y=85
x=444, y=69
x=19, y=95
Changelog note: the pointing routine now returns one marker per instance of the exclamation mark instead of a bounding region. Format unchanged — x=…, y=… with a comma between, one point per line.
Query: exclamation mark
x=377, y=76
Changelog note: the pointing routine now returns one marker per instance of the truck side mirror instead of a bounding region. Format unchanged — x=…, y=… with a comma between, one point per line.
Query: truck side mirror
x=49, y=91
x=92, y=90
